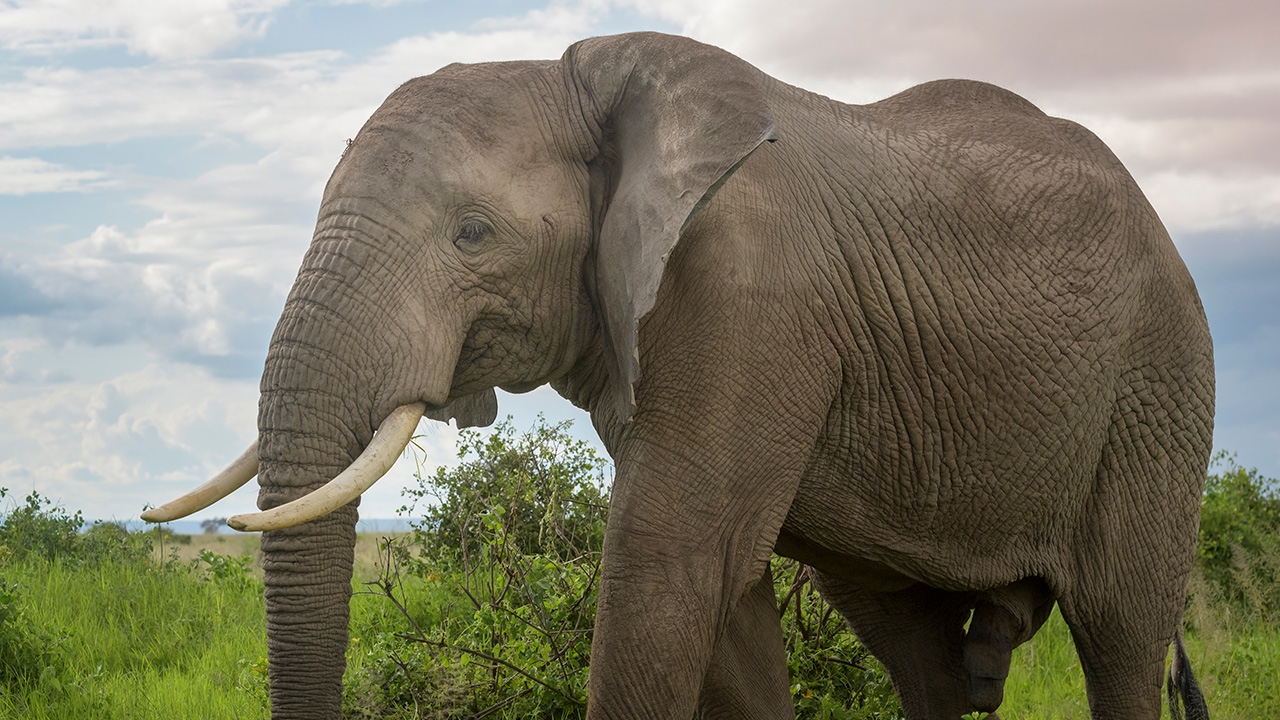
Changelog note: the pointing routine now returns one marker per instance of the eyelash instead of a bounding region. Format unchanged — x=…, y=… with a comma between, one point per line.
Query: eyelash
x=470, y=234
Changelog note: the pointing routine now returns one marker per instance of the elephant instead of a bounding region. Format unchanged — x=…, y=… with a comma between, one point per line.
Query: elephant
x=938, y=347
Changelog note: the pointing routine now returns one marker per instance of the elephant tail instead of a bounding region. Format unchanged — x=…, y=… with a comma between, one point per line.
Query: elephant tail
x=1182, y=688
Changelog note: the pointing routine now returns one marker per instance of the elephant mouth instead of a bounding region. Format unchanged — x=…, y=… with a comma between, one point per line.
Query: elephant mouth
x=392, y=437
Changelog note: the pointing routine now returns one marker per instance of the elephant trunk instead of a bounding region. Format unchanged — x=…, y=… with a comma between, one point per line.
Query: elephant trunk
x=305, y=440
x=315, y=416
x=307, y=570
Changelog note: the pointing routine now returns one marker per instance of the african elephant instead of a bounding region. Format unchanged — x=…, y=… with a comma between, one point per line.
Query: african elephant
x=939, y=348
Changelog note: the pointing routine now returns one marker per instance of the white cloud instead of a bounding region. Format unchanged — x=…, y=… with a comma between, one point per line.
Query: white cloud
x=151, y=434
x=11, y=352
x=1048, y=43
x=560, y=17
x=163, y=29
x=187, y=288
x=24, y=176
x=1196, y=202
x=1186, y=93
x=1202, y=81
x=375, y=3
x=62, y=106
x=98, y=446
x=203, y=280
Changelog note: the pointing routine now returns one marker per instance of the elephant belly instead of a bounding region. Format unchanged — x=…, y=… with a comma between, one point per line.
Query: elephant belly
x=866, y=573
x=970, y=526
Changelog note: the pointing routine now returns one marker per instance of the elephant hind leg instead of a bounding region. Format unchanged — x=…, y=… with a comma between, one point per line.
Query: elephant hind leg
x=1125, y=591
x=748, y=673
x=1123, y=661
x=1002, y=620
x=918, y=635
x=1122, y=633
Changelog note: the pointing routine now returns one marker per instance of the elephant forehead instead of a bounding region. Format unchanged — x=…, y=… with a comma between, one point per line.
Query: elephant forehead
x=474, y=106
x=436, y=168
x=442, y=147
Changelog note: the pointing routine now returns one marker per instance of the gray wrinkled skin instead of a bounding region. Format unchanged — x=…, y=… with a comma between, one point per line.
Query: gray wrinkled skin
x=939, y=347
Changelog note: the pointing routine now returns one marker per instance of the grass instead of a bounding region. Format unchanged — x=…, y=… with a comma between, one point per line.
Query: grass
x=1237, y=665
x=1045, y=679
x=157, y=639
x=133, y=640
x=146, y=640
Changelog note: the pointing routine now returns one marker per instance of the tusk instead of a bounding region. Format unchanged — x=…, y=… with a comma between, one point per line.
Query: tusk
x=240, y=471
x=392, y=437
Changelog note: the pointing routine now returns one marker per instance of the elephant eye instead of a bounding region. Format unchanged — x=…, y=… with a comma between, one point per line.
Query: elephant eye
x=471, y=234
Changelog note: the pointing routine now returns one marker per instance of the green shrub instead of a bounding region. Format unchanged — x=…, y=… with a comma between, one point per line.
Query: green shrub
x=495, y=588
x=1238, y=549
x=40, y=528
x=494, y=597
x=111, y=542
x=541, y=492
x=225, y=569
x=833, y=677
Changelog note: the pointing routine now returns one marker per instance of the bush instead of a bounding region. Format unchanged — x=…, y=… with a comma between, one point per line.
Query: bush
x=833, y=677
x=541, y=493
x=507, y=560
x=225, y=569
x=39, y=528
x=495, y=591
x=1238, y=549
x=111, y=542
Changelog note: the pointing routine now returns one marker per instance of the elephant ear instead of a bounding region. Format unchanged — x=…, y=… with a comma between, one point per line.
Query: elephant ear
x=474, y=410
x=672, y=119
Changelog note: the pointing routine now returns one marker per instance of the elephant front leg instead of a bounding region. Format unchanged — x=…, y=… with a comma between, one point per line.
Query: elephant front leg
x=684, y=576
x=663, y=608
x=736, y=390
x=748, y=673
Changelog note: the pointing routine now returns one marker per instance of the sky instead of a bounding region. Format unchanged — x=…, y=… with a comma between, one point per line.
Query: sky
x=161, y=165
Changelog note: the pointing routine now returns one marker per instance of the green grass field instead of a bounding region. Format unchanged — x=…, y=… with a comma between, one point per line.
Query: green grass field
x=145, y=641
x=1238, y=670
x=138, y=641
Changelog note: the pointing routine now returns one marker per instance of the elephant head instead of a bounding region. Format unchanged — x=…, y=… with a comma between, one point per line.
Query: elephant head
x=494, y=225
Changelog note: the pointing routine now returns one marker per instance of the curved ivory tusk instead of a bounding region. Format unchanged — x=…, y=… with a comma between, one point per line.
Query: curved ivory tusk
x=240, y=471
x=393, y=435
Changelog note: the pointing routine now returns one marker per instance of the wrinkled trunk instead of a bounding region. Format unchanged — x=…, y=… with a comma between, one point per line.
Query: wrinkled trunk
x=306, y=440
x=308, y=587
x=313, y=420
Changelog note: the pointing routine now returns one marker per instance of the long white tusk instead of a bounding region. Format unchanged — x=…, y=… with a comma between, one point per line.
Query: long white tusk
x=393, y=435
x=240, y=471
